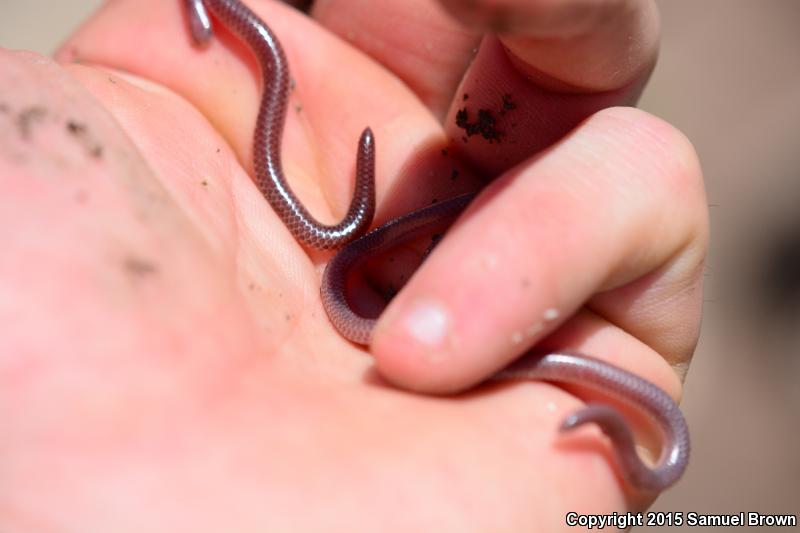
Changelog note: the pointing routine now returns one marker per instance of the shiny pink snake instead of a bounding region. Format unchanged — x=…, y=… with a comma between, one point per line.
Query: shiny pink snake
x=356, y=247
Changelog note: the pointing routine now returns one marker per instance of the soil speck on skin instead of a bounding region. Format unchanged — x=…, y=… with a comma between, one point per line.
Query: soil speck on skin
x=81, y=132
x=76, y=128
x=288, y=317
x=485, y=124
x=204, y=183
x=139, y=268
x=433, y=201
x=27, y=118
x=390, y=292
x=445, y=152
x=454, y=174
x=435, y=239
x=298, y=108
x=112, y=80
x=465, y=97
x=508, y=104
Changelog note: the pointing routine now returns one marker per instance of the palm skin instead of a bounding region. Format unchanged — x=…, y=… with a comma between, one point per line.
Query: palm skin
x=168, y=364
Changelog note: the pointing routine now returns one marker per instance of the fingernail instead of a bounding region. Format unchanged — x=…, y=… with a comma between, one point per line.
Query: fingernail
x=427, y=322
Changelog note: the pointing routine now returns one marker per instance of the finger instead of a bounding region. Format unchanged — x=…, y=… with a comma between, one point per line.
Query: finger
x=524, y=91
x=570, y=44
x=324, y=120
x=415, y=39
x=617, y=206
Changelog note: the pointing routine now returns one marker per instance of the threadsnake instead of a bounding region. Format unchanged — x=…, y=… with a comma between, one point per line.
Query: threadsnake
x=355, y=246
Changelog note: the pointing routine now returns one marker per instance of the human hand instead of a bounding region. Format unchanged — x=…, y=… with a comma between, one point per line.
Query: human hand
x=168, y=347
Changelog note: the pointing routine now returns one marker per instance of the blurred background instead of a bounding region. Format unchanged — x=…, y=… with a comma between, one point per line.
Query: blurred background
x=729, y=78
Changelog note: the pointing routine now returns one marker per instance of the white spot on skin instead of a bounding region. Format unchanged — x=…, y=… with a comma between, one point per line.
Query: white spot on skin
x=551, y=407
x=516, y=337
x=428, y=46
x=551, y=314
x=535, y=329
x=427, y=322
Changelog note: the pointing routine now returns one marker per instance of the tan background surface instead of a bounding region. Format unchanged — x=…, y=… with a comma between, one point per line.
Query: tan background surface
x=729, y=77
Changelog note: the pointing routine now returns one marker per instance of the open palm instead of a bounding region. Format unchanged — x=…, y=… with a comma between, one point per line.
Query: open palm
x=166, y=364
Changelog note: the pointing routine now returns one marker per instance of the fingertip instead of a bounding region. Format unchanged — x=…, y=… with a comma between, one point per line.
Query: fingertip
x=410, y=345
x=584, y=46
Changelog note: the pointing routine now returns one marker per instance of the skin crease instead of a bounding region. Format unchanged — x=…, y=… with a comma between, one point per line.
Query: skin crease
x=215, y=378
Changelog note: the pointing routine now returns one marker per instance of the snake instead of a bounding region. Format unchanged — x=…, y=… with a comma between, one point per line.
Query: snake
x=354, y=244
